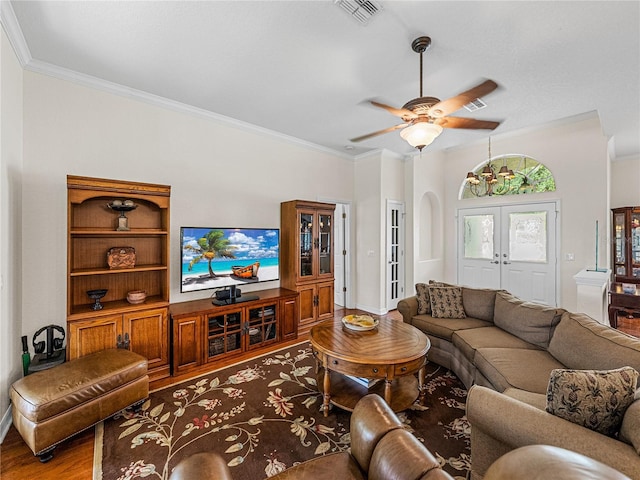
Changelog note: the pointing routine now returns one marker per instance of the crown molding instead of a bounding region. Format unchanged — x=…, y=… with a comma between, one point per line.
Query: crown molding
x=19, y=44
x=163, y=102
x=14, y=32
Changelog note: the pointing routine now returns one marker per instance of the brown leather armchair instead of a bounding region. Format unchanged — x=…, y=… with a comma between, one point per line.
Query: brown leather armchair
x=380, y=449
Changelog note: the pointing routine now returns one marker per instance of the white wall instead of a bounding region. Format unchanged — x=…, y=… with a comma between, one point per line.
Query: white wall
x=220, y=176
x=425, y=228
x=368, y=177
x=10, y=225
x=625, y=182
x=378, y=177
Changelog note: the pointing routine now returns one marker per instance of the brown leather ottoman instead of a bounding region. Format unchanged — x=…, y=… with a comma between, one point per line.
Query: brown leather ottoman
x=51, y=405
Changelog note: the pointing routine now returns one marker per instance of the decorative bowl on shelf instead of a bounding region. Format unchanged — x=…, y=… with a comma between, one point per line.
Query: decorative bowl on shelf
x=136, y=296
x=122, y=205
x=629, y=287
x=96, y=295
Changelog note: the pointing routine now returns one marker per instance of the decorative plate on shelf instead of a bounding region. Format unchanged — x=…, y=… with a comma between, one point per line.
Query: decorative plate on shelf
x=360, y=323
x=122, y=205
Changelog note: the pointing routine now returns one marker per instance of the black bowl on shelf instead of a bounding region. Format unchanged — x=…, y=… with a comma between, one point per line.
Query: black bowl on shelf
x=97, y=295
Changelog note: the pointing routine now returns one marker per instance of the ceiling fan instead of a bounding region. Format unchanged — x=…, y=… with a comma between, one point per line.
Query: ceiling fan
x=425, y=117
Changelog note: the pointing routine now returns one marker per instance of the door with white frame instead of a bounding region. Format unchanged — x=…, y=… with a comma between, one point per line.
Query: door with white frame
x=342, y=295
x=395, y=253
x=512, y=247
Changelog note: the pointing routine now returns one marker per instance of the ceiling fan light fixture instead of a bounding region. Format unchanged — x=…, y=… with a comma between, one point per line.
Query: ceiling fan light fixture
x=421, y=134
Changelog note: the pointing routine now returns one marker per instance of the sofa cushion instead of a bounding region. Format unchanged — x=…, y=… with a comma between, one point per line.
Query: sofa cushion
x=468, y=341
x=532, y=322
x=446, y=302
x=630, y=428
x=607, y=348
x=516, y=367
x=595, y=399
x=479, y=302
x=445, y=327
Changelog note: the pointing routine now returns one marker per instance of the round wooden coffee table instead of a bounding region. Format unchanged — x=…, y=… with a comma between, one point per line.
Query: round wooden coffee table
x=382, y=360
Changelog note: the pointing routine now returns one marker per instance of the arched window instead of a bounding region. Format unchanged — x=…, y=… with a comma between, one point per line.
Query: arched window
x=511, y=174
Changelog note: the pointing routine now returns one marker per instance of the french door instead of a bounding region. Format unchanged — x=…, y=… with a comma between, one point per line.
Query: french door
x=395, y=253
x=511, y=247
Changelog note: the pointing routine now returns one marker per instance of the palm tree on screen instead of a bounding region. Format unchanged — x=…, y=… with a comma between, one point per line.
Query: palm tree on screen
x=212, y=245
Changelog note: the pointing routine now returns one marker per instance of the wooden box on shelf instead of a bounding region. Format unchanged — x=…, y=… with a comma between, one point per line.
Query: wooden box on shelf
x=95, y=227
x=306, y=258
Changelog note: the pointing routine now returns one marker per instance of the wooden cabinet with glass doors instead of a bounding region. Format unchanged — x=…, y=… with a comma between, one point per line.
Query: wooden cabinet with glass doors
x=204, y=333
x=626, y=245
x=306, y=258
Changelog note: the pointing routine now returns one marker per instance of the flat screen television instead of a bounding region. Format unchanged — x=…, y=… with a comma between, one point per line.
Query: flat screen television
x=220, y=257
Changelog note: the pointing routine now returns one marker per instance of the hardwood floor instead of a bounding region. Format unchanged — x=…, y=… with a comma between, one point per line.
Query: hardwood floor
x=73, y=459
x=629, y=325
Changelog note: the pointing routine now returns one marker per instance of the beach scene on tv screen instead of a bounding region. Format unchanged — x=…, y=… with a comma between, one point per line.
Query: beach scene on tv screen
x=218, y=257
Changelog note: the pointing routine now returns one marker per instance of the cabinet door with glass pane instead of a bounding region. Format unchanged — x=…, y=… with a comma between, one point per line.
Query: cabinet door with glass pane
x=224, y=334
x=315, y=245
x=306, y=243
x=325, y=244
x=625, y=250
x=262, y=325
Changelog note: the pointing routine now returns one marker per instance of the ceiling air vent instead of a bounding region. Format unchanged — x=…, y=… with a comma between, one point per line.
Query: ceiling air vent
x=474, y=105
x=361, y=10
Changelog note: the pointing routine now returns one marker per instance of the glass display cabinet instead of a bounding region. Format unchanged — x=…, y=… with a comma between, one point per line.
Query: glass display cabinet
x=306, y=258
x=626, y=245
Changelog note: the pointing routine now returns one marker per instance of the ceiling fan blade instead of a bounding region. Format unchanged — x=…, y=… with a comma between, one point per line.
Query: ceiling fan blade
x=471, y=123
x=450, y=105
x=398, y=112
x=379, y=132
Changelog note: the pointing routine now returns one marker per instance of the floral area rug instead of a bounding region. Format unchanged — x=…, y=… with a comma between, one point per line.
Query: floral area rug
x=263, y=416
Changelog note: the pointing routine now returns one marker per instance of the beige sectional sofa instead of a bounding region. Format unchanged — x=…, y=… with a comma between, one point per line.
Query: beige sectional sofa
x=504, y=351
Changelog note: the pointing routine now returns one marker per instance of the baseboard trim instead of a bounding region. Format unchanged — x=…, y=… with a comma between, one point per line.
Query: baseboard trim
x=370, y=309
x=5, y=424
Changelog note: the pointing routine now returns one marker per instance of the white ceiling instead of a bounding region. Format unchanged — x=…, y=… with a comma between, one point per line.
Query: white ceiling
x=305, y=69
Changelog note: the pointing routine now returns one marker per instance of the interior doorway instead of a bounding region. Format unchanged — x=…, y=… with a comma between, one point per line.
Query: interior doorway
x=512, y=247
x=342, y=256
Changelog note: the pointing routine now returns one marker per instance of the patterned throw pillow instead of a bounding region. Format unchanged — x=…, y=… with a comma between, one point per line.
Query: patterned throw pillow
x=595, y=399
x=446, y=302
x=422, y=294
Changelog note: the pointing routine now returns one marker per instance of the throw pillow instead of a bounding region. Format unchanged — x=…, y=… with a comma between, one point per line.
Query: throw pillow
x=446, y=302
x=422, y=294
x=595, y=399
